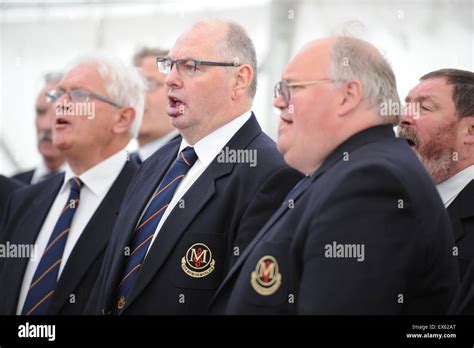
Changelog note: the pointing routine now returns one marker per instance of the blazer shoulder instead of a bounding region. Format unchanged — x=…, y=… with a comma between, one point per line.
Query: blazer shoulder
x=25, y=176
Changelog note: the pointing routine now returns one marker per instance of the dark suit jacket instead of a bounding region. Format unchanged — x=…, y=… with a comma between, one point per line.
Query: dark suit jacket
x=26, y=213
x=25, y=177
x=463, y=303
x=373, y=192
x=461, y=213
x=223, y=210
x=7, y=186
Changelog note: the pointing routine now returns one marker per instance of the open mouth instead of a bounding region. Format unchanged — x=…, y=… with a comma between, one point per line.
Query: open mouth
x=410, y=142
x=175, y=106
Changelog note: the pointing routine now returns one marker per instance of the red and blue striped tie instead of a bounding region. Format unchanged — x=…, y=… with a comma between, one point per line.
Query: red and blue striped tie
x=145, y=230
x=45, y=278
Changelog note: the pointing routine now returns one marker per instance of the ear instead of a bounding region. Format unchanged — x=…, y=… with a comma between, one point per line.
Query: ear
x=467, y=123
x=242, y=79
x=125, y=120
x=351, y=97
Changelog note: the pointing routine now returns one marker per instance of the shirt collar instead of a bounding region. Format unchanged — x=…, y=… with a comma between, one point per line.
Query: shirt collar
x=209, y=147
x=99, y=178
x=149, y=149
x=450, y=188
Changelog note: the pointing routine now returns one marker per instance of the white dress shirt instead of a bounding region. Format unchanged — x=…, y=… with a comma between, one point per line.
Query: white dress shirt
x=450, y=188
x=97, y=182
x=41, y=171
x=206, y=150
x=149, y=149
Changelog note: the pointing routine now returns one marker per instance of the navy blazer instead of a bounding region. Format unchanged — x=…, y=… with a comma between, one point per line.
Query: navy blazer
x=223, y=210
x=7, y=186
x=461, y=214
x=26, y=213
x=25, y=176
x=367, y=233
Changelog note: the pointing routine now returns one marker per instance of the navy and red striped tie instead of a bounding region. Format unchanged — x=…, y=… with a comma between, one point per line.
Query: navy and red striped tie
x=45, y=278
x=145, y=230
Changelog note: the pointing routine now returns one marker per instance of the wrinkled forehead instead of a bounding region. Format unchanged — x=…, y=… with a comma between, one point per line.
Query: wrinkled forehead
x=436, y=89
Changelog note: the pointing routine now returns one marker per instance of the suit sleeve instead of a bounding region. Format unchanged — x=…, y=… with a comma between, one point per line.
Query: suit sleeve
x=371, y=215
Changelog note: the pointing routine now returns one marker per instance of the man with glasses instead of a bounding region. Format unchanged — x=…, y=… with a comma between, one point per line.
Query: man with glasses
x=156, y=129
x=68, y=218
x=365, y=232
x=52, y=159
x=197, y=202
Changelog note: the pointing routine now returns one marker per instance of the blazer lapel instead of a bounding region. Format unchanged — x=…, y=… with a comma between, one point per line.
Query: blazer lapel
x=369, y=135
x=196, y=198
x=93, y=240
x=132, y=211
x=305, y=183
x=461, y=208
x=14, y=268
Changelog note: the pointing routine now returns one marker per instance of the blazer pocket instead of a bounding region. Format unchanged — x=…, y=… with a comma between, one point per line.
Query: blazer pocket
x=266, y=275
x=198, y=262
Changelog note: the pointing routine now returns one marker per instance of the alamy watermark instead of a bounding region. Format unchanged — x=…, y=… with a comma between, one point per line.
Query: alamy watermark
x=67, y=108
x=394, y=108
x=345, y=251
x=238, y=156
x=9, y=250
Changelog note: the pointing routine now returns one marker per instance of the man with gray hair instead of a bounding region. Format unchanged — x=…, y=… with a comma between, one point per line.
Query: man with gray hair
x=52, y=159
x=198, y=201
x=68, y=218
x=365, y=232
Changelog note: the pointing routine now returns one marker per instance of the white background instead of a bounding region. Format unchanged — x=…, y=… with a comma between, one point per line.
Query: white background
x=39, y=36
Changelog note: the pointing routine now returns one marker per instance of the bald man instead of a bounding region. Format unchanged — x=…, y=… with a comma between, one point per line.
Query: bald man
x=198, y=201
x=365, y=232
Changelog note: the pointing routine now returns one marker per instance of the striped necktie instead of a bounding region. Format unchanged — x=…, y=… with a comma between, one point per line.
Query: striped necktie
x=146, y=228
x=45, y=278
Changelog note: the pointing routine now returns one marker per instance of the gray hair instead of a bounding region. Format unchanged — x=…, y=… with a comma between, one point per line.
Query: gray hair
x=238, y=47
x=355, y=59
x=123, y=84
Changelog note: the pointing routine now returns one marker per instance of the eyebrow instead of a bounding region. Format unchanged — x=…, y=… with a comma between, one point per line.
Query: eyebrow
x=422, y=98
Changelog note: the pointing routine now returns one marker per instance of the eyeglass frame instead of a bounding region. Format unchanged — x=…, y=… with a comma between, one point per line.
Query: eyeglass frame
x=196, y=63
x=297, y=84
x=88, y=93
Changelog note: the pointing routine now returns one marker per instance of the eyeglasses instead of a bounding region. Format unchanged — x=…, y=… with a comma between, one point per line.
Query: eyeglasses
x=77, y=95
x=283, y=88
x=187, y=66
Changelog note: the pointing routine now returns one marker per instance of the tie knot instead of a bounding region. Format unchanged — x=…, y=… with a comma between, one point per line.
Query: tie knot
x=188, y=156
x=76, y=184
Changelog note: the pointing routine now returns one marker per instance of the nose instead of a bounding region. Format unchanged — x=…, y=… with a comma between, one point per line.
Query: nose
x=407, y=118
x=173, y=79
x=279, y=102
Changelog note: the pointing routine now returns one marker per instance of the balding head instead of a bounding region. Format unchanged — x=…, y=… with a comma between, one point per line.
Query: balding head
x=332, y=89
x=212, y=95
